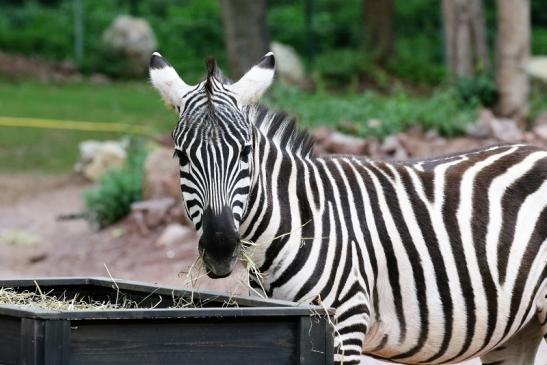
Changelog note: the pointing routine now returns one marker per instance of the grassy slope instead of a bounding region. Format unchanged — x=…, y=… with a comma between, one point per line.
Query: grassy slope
x=48, y=150
x=42, y=150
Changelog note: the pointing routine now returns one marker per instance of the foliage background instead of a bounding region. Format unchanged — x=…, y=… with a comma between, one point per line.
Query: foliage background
x=190, y=30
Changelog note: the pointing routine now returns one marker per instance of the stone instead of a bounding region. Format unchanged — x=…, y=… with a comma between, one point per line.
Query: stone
x=431, y=135
x=481, y=128
x=339, y=143
x=541, y=131
x=98, y=157
x=488, y=126
x=149, y=214
x=161, y=175
x=374, y=123
x=132, y=38
x=540, y=126
x=320, y=134
x=100, y=79
x=17, y=237
x=288, y=65
x=174, y=234
x=374, y=148
x=537, y=67
x=393, y=148
x=506, y=130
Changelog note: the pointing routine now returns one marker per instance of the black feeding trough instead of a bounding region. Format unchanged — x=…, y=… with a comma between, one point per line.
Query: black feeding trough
x=212, y=329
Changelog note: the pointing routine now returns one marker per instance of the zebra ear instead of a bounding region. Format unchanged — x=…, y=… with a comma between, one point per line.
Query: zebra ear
x=166, y=80
x=256, y=81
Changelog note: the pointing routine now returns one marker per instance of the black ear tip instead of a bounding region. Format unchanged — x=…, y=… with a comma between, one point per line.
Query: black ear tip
x=268, y=61
x=157, y=61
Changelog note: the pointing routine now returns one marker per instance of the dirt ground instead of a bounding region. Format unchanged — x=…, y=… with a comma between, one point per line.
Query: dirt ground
x=35, y=243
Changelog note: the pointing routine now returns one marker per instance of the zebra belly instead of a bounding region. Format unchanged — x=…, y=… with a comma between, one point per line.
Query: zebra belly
x=386, y=340
x=461, y=269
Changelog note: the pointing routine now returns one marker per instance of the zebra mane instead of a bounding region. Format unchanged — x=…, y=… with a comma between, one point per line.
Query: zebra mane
x=281, y=129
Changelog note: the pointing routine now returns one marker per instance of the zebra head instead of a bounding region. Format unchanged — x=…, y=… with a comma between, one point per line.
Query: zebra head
x=214, y=143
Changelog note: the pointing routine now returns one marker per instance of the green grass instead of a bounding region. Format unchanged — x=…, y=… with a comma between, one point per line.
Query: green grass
x=55, y=151
x=49, y=150
x=443, y=110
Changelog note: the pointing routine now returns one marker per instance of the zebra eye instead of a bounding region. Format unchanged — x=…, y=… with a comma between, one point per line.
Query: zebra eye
x=182, y=157
x=245, y=151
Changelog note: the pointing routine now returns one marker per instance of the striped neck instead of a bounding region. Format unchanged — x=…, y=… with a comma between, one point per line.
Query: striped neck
x=280, y=210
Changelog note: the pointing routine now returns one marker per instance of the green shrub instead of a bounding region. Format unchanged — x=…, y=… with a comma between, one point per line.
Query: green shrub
x=442, y=110
x=539, y=41
x=418, y=60
x=340, y=68
x=110, y=200
x=190, y=30
x=538, y=100
x=480, y=88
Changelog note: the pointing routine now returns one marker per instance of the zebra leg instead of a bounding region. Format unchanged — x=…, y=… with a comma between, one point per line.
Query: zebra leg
x=349, y=352
x=349, y=336
x=521, y=349
x=542, y=316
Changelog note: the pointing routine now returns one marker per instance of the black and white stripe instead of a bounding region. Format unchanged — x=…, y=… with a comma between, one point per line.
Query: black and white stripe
x=432, y=261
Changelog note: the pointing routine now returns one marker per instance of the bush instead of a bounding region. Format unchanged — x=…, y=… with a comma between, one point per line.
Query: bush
x=539, y=41
x=340, y=68
x=111, y=199
x=480, y=88
x=441, y=111
x=190, y=30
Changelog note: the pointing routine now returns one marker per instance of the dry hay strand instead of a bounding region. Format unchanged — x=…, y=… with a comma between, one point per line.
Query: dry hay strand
x=49, y=301
x=315, y=300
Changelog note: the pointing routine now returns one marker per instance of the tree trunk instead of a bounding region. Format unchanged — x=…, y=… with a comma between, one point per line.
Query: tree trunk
x=379, y=35
x=465, y=39
x=246, y=33
x=512, y=53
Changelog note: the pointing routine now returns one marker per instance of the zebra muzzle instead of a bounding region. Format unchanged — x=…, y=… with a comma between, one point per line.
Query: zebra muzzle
x=219, y=243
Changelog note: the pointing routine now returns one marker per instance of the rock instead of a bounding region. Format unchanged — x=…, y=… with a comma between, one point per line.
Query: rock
x=150, y=214
x=529, y=137
x=161, y=175
x=374, y=148
x=481, y=128
x=17, y=237
x=321, y=134
x=431, y=135
x=374, y=123
x=343, y=144
x=99, y=79
x=132, y=38
x=537, y=67
x=97, y=157
x=506, y=130
x=540, y=126
x=488, y=126
x=393, y=148
x=174, y=234
x=541, y=131
x=288, y=65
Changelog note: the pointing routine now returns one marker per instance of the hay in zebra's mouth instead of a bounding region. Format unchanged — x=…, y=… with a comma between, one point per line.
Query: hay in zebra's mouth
x=197, y=270
x=252, y=273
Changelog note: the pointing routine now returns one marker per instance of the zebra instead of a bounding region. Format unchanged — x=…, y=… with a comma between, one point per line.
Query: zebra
x=426, y=262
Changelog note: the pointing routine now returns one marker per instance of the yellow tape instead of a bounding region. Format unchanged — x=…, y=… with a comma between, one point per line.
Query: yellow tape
x=75, y=125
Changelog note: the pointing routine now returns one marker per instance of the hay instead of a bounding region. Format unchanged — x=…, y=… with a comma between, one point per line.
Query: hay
x=76, y=302
x=52, y=302
x=315, y=299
